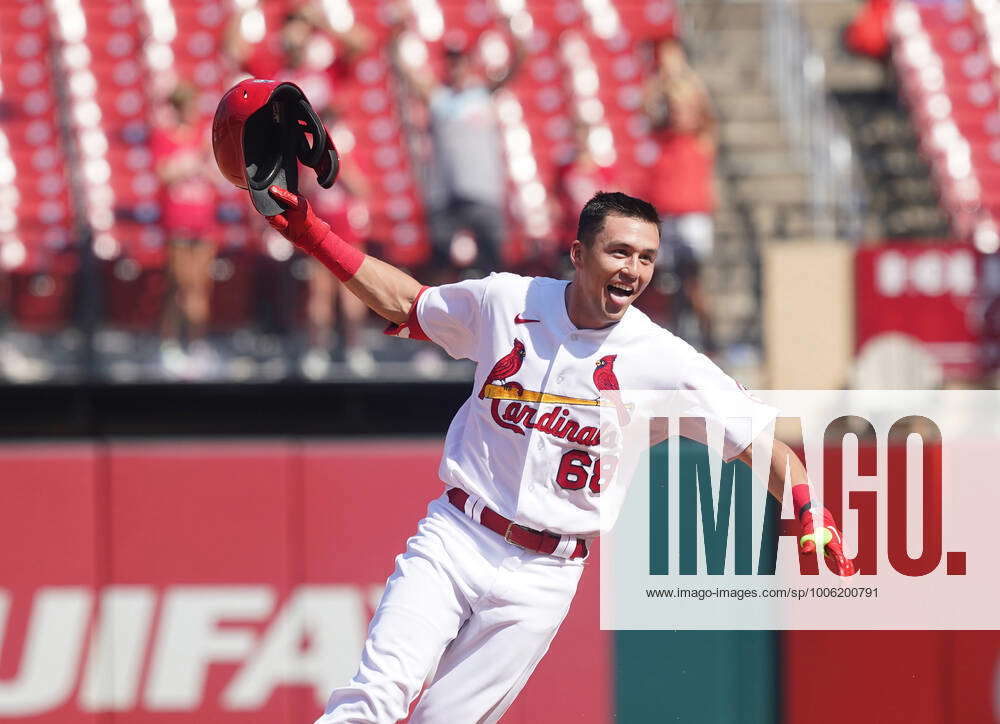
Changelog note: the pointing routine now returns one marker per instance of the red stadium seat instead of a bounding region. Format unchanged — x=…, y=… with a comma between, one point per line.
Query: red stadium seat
x=113, y=44
x=959, y=49
x=648, y=19
x=41, y=300
x=232, y=290
x=24, y=17
x=366, y=98
x=200, y=17
x=133, y=294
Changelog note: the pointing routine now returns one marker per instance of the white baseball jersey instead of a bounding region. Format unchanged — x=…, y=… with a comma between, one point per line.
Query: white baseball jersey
x=526, y=440
x=462, y=602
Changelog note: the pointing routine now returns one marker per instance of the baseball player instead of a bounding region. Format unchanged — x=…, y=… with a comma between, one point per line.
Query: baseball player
x=484, y=584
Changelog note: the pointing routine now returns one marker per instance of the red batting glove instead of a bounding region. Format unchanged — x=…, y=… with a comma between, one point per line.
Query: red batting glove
x=298, y=224
x=311, y=234
x=829, y=539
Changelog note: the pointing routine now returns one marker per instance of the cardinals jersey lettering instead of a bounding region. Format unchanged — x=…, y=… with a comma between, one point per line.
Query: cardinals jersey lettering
x=526, y=439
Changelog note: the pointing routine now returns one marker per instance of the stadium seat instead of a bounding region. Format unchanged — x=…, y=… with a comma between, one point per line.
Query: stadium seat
x=41, y=300
x=40, y=247
x=110, y=107
x=946, y=74
x=233, y=276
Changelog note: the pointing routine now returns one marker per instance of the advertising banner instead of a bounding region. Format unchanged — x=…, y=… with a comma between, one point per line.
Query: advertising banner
x=218, y=582
x=927, y=294
x=49, y=570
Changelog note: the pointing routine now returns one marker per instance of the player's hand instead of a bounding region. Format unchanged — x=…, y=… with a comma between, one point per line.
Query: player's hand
x=298, y=223
x=828, y=539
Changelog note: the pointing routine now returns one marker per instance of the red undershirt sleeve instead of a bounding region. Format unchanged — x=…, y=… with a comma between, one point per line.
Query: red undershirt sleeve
x=410, y=329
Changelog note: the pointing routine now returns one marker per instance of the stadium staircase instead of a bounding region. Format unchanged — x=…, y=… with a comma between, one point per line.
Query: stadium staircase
x=946, y=57
x=927, y=122
x=762, y=188
x=764, y=181
x=903, y=200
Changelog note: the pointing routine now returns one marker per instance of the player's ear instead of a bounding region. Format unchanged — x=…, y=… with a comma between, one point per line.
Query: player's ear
x=576, y=252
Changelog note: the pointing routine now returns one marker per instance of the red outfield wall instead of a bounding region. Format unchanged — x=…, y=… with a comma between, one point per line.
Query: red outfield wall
x=223, y=582
x=892, y=677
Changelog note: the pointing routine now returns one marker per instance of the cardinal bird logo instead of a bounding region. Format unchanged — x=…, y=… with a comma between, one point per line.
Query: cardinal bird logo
x=604, y=374
x=506, y=367
x=605, y=381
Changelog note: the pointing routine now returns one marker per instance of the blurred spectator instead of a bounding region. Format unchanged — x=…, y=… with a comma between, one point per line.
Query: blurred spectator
x=466, y=188
x=343, y=207
x=681, y=182
x=301, y=53
x=578, y=180
x=301, y=43
x=868, y=33
x=181, y=148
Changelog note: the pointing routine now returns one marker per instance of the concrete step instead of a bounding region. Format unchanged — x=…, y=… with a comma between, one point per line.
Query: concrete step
x=732, y=254
x=902, y=161
x=887, y=129
x=754, y=134
x=827, y=41
x=733, y=282
x=844, y=71
x=918, y=221
x=732, y=15
x=854, y=76
x=771, y=219
x=746, y=106
x=726, y=43
x=789, y=220
x=753, y=161
x=830, y=14
x=730, y=232
x=735, y=242
x=746, y=74
x=734, y=239
x=724, y=278
x=732, y=308
x=912, y=188
x=749, y=37
x=727, y=225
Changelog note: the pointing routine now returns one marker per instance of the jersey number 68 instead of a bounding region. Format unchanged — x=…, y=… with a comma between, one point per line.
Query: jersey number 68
x=576, y=467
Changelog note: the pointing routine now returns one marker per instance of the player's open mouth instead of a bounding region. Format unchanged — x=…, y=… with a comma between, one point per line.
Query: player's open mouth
x=619, y=293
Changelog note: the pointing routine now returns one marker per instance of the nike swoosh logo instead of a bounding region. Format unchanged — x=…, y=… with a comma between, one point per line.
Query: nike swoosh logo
x=521, y=320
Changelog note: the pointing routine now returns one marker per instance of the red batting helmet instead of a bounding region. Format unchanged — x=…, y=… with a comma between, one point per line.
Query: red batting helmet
x=261, y=128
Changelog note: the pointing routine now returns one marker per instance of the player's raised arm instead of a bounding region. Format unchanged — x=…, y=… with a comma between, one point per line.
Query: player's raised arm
x=388, y=291
x=827, y=538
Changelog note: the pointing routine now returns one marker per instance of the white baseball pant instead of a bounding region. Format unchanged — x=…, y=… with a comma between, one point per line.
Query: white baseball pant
x=465, y=612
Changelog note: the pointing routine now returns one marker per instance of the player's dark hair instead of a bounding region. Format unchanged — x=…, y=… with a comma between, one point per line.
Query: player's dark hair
x=614, y=203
